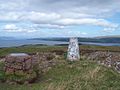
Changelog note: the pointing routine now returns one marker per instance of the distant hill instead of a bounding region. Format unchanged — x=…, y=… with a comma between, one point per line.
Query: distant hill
x=112, y=36
x=95, y=39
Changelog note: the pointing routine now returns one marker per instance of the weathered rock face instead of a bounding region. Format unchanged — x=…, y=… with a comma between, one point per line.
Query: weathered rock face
x=19, y=67
x=73, y=50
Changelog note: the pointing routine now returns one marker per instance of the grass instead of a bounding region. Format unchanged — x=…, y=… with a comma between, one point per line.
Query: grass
x=106, y=48
x=34, y=49
x=30, y=49
x=81, y=75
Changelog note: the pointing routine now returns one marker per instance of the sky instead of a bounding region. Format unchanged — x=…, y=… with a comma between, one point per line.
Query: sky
x=59, y=18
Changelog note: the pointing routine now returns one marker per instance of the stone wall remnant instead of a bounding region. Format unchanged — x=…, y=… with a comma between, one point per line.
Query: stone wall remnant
x=106, y=58
x=19, y=67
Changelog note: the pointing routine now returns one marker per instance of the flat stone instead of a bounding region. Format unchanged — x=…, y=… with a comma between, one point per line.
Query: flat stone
x=18, y=54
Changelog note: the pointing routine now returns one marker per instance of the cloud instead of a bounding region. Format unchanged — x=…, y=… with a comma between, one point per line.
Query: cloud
x=64, y=7
x=49, y=26
x=109, y=30
x=73, y=6
x=70, y=33
x=13, y=5
x=14, y=28
x=10, y=16
x=63, y=33
x=84, y=33
x=54, y=20
x=58, y=14
x=40, y=16
x=86, y=21
x=11, y=27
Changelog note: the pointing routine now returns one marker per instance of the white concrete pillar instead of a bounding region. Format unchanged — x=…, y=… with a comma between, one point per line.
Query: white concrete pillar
x=73, y=50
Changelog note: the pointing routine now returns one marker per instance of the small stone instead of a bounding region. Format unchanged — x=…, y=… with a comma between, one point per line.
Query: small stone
x=26, y=82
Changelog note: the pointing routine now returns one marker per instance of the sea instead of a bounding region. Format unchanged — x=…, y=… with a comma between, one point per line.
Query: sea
x=15, y=43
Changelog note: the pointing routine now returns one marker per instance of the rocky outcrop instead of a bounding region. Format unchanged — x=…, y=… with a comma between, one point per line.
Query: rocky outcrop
x=106, y=58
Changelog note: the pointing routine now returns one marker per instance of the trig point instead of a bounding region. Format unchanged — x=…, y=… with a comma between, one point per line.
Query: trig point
x=73, y=50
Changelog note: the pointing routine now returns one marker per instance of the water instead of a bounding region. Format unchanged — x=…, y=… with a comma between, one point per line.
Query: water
x=101, y=44
x=12, y=43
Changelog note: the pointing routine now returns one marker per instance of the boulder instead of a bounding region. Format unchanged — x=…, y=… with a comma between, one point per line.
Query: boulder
x=19, y=67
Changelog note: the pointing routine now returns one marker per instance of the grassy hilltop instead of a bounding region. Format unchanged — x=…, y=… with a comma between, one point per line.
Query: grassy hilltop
x=37, y=48
x=81, y=75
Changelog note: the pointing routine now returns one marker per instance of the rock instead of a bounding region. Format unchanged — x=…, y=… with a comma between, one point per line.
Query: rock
x=109, y=59
x=11, y=82
x=117, y=66
x=19, y=67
